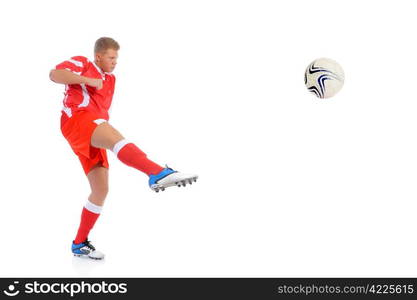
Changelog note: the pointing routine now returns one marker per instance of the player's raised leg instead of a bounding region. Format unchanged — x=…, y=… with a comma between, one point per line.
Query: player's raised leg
x=106, y=136
x=98, y=178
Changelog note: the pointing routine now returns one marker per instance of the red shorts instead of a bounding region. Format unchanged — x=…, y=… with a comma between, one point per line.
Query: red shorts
x=78, y=131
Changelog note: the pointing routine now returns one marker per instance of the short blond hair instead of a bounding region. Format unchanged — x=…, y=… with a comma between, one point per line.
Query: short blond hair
x=104, y=43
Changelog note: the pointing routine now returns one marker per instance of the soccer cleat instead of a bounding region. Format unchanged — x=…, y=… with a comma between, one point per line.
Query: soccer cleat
x=85, y=249
x=168, y=177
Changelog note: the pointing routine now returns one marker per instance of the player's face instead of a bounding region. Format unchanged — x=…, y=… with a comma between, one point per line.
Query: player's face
x=107, y=61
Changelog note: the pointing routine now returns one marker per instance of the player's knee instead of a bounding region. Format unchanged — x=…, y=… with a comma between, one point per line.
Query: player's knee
x=101, y=192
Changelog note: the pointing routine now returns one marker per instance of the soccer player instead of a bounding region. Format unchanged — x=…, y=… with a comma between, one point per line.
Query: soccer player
x=89, y=88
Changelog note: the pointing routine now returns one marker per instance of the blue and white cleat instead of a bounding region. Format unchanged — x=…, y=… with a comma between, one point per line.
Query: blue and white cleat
x=85, y=249
x=168, y=177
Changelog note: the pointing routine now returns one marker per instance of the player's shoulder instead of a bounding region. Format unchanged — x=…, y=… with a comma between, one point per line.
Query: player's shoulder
x=84, y=60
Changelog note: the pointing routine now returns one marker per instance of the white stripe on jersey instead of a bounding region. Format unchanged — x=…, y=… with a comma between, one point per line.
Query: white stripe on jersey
x=100, y=71
x=86, y=96
x=67, y=110
x=76, y=62
x=99, y=121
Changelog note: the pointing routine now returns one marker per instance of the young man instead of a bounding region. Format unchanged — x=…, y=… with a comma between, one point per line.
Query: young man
x=84, y=123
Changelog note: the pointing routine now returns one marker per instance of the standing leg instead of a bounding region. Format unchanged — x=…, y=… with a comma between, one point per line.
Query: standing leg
x=98, y=178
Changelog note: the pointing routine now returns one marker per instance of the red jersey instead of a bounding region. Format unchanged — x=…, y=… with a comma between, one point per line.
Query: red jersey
x=79, y=97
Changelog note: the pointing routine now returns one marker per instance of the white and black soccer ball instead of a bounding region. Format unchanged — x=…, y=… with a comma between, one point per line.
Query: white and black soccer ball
x=324, y=77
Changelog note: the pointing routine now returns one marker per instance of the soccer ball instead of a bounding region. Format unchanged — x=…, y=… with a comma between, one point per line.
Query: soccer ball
x=324, y=77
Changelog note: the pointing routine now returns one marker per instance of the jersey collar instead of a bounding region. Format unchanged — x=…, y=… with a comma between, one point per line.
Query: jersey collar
x=103, y=74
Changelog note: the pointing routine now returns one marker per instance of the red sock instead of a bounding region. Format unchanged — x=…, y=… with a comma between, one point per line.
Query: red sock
x=132, y=156
x=89, y=216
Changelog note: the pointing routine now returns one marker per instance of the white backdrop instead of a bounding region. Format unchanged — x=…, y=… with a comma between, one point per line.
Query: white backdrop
x=290, y=185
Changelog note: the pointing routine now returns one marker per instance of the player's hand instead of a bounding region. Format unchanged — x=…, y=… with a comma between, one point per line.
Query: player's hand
x=97, y=83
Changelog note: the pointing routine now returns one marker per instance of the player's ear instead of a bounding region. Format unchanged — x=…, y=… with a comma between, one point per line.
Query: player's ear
x=99, y=56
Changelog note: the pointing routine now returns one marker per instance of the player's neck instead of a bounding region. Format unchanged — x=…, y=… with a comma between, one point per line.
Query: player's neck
x=98, y=66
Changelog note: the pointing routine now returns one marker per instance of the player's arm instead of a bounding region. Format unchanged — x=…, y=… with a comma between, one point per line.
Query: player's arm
x=67, y=77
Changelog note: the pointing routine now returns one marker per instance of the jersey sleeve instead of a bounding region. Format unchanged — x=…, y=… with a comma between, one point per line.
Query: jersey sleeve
x=76, y=64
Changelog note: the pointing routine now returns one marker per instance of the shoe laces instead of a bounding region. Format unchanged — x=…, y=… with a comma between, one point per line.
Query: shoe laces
x=89, y=245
